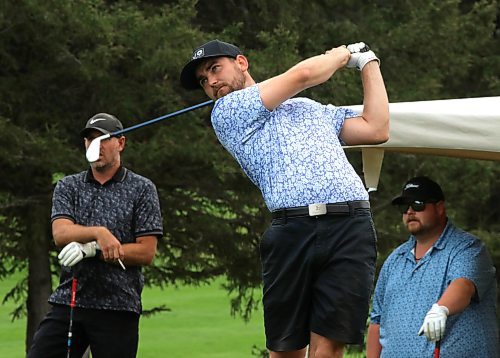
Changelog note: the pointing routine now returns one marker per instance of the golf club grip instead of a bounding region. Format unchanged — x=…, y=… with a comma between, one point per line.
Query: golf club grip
x=73, y=292
x=437, y=348
x=170, y=115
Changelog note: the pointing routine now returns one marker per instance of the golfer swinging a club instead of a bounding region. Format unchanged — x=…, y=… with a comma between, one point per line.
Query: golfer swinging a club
x=318, y=255
x=103, y=218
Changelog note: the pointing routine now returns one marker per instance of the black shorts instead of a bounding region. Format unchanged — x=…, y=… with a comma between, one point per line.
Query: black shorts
x=109, y=333
x=318, y=274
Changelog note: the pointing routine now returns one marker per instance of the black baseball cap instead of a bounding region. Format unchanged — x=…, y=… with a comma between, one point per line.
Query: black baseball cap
x=102, y=122
x=214, y=48
x=419, y=188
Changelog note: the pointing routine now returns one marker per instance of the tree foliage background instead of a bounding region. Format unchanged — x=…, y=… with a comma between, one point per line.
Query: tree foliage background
x=63, y=61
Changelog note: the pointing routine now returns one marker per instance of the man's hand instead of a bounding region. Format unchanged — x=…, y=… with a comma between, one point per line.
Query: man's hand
x=360, y=55
x=109, y=245
x=434, y=323
x=75, y=252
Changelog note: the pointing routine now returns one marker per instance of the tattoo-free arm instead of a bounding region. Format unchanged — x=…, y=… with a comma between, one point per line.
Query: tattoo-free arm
x=372, y=127
x=308, y=73
x=373, y=347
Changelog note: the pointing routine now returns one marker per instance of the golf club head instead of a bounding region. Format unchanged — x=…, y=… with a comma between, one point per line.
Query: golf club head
x=94, y=148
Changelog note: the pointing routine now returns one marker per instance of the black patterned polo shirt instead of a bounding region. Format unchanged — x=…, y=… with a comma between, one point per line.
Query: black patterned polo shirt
x=129, y=207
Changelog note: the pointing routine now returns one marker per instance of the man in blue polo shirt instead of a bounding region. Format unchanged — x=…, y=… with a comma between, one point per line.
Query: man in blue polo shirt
x=439, y=286
x=107, y=220
x=318, y=256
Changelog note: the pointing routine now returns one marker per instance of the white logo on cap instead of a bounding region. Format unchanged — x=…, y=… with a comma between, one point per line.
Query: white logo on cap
x=409, y=186
x=199, y=53
x=92, y=121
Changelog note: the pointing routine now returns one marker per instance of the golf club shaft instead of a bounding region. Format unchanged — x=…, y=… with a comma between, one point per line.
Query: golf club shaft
x=437, y=348
x=71, y=309
x=93, y=149
x=170, y=115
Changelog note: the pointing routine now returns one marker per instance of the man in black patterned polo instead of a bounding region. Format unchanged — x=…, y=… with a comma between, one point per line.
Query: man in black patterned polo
x=107, y=220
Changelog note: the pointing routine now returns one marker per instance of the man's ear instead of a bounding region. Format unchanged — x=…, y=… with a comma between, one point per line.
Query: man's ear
x=121, y=142
x=242, y=62
x=441, y=207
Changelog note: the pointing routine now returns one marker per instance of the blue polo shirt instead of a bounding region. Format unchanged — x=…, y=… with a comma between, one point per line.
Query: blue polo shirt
x=293, y=153
x=406, y=290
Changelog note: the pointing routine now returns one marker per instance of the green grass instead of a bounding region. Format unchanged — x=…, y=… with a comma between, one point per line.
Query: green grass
x=198, y=325
x=11, y=333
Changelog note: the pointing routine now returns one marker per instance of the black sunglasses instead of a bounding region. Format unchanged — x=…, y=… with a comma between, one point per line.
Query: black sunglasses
x=416, y=205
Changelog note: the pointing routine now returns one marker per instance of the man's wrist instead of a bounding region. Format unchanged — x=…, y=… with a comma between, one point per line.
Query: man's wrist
x=374, y=61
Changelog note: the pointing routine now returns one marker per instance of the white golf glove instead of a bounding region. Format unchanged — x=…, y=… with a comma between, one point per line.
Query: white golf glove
x=75, y=252
x=360, y=55
x=435, y=323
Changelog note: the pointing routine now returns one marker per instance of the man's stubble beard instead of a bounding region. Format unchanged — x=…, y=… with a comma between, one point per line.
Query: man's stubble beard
x=237, y=84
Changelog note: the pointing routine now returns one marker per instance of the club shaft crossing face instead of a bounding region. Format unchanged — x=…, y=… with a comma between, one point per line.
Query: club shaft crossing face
x=92, y=153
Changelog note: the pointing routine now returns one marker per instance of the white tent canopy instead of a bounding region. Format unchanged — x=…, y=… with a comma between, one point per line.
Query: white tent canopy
x=465, y=128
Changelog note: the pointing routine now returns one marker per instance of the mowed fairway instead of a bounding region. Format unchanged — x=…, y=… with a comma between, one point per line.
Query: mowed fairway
x=198, y=325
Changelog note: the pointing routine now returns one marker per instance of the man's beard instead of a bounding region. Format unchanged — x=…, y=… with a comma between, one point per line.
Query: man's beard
x=100, y=166
x=237, y=84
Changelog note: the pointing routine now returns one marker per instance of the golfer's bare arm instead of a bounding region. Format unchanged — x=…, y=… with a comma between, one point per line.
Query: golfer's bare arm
x=373, y=347
x=65, y=231
x=372, y=127
x=458, y=295
x=305, y=74
x=140, y=253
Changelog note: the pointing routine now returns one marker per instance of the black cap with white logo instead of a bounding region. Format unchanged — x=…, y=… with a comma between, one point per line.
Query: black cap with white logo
x=102, y=122
x=214, y=48
x=419, y=188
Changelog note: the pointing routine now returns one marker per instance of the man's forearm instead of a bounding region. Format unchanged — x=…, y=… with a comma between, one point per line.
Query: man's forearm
x=375, y=101
x=64, y=231
x=458, y=295
x=307, y=73
x=140, y=253
x=373, y=347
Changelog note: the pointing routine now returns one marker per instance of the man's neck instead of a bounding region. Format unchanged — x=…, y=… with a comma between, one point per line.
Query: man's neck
x=425, y=241
x=422, y=246
x=104, y=174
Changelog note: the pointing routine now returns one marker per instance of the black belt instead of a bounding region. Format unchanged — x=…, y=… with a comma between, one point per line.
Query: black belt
x=344, y=208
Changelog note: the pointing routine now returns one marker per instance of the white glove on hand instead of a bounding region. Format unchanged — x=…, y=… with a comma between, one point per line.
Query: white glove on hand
x=435, y=323
x=360, y=55
x=75, y=252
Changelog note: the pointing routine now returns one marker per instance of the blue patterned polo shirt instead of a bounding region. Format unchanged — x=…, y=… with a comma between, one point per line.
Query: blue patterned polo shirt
x=406, y=290
x=128, y=206
x=293, y=153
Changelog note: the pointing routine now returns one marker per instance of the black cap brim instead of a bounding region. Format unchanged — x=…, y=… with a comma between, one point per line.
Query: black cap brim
x=404, y=199
x=85, y=132
x=188, y=74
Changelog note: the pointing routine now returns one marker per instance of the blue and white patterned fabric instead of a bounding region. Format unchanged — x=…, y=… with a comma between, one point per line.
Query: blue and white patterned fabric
x=293, y=153
x=406, y=290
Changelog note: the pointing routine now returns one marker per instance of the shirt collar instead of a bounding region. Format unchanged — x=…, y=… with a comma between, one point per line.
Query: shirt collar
x=439, y=244
x=119, y=176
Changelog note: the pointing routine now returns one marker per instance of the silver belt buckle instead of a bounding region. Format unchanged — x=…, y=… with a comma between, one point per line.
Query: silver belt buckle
x=317, y=209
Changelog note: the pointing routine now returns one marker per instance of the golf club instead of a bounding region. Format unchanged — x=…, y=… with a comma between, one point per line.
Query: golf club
x=72, y=307
x=94, y=147
x=121, y=264
x=437, y=349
